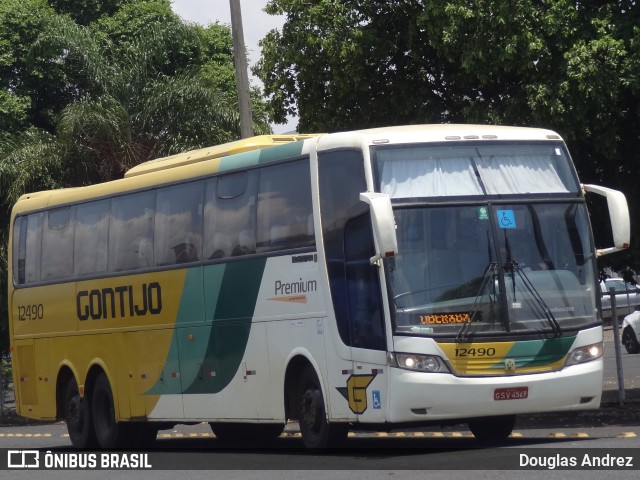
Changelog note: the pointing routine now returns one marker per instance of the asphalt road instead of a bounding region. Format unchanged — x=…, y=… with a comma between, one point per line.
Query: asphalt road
x=372, y=456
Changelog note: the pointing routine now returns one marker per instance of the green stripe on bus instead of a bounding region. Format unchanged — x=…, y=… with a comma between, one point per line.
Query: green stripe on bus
x=229, y=335
x=210, y=353
x=534, y=353
x=239, y=160
x=287, y=150
x=552, y=350
x=265, y=155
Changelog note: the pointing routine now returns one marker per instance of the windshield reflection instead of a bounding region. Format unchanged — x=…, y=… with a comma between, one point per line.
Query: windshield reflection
x=486, y=270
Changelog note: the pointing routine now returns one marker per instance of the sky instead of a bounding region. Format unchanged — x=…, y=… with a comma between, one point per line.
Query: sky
x=255, y=24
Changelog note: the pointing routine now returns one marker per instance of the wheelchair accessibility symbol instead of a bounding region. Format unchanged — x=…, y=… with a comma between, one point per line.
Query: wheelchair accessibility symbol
x=377, y=404
x=506, y=219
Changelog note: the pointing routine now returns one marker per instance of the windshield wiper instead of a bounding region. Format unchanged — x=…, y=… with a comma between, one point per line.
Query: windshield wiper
x=514, y=266
x=488, y=276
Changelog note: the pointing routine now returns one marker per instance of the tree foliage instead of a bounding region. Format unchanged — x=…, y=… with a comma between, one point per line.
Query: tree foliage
x=570, y=66
x=90, y=89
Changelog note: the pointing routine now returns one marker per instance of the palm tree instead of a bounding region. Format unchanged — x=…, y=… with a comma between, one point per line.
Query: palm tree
x=130, y=109
x=132, y=104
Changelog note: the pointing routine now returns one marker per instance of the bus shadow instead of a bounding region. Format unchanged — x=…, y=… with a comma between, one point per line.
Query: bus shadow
x=367, y=446
x=366, y=453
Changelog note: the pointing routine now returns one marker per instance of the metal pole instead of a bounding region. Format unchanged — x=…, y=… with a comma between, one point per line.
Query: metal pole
x=626, y=289
x=242, y=78
x=617, y=346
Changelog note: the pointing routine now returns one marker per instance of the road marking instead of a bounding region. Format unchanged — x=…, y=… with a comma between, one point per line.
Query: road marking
x=351, y=435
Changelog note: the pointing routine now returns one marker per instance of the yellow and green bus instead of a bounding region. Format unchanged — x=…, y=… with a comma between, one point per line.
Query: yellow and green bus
x=367, y=279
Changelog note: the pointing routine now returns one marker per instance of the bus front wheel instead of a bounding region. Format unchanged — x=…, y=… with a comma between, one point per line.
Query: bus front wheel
x=77, y=416
x=492, y=429
x=317, y=432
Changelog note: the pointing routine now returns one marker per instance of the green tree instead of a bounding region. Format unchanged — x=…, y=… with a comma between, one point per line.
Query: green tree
x=570, y=66
x=132, y=111
x=341, y=65
x=134, y=83
x=84, y=12
x=34, y=91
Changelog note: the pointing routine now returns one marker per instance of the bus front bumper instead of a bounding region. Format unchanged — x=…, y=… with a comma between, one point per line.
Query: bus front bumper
x=417, y=396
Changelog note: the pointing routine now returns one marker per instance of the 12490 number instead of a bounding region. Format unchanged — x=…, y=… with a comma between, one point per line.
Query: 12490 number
x=30, y=312
x=476, y=352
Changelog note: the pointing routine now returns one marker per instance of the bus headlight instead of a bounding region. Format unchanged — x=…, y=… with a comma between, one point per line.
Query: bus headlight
x=417, y=363
x=585, y=354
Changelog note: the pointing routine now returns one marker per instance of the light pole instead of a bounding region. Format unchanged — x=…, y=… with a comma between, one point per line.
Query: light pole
x=242, y=78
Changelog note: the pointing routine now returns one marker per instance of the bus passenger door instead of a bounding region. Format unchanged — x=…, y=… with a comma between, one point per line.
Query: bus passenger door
x=358, y=372
x=367, y=385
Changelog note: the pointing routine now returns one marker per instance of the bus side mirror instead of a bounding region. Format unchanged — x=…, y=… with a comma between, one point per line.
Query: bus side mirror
x=618, y=214
x=384, y=225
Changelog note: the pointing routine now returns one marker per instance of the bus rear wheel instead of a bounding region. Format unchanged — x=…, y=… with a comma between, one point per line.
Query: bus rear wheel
x=77, y=415
x=492, y=429
x=109, y=433
x=317, y=432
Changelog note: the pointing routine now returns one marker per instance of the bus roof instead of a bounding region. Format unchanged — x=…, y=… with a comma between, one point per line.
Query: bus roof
x=434, y=133
x=195, y=163
x=254, y=150
x=216, y=151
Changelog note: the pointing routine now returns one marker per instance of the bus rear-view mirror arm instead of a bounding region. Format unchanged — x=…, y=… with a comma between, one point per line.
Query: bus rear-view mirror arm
x=618, y=214
x=383, y=223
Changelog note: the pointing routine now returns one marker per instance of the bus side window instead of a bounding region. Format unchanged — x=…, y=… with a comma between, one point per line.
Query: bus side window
x=57, y=243
x=20, y=249
x=131, y=231
x=34, y=248
x=229, y=215
x=284, y=207
x=91, y=238
x=178, y=225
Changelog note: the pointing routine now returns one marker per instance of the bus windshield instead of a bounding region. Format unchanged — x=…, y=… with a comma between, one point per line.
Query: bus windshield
x=418, y=170
x=487, y=269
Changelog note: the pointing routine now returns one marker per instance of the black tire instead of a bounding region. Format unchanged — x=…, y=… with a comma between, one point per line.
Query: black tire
x=492, y=429
x=630, y=341
x=317, y=432
x=77, y=415
x=109, y=433
x=246, y=433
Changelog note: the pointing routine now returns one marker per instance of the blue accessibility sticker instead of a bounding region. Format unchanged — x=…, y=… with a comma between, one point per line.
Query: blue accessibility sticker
x=377, y=403
x=506, y=219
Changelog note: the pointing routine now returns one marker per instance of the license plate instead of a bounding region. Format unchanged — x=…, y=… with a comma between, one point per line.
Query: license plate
x=511, y=393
